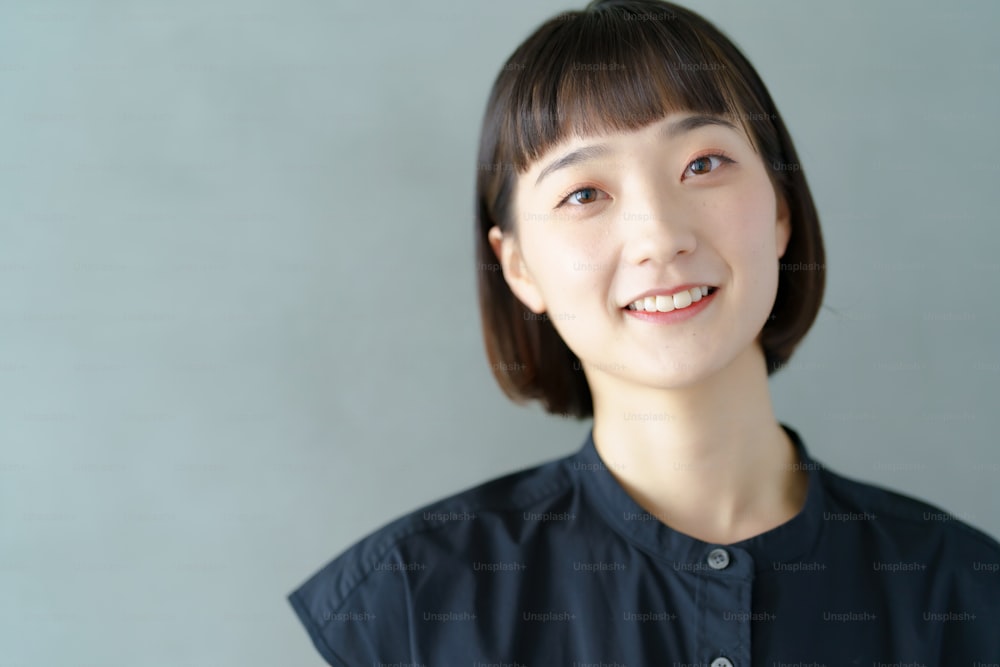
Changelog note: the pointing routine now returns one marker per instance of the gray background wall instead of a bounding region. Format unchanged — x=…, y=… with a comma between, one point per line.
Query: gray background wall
x=238, y=328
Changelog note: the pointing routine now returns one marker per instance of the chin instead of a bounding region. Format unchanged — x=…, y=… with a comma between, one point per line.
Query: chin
x=683, y=374
x=673, y=376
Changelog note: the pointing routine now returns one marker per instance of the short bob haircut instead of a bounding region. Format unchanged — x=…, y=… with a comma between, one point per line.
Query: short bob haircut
x=619, y=65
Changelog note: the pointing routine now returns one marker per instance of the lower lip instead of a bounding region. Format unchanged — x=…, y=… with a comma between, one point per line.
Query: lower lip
x=676, y=315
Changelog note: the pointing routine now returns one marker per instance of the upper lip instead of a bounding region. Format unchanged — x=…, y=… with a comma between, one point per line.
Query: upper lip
x=665, y=291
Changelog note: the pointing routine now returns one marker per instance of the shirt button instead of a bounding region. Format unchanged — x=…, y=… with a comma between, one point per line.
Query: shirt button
x=722, y=662
x=718, y=559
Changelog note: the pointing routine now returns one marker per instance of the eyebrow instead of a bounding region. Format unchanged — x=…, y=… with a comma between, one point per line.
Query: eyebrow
x=688, y=123
x=671, y=131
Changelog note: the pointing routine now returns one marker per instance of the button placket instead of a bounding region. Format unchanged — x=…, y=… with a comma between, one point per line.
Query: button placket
x=725, y=599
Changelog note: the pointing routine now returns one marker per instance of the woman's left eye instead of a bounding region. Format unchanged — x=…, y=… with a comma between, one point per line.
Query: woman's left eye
x=706, y=164
x=581, y=196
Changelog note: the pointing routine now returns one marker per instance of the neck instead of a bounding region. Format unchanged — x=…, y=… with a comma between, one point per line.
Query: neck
x=709, y=459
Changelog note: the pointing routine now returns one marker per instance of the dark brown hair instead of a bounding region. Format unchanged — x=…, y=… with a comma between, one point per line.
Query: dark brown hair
x=620, y=65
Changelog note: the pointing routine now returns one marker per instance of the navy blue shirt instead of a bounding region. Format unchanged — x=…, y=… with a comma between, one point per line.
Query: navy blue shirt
x=557, y=565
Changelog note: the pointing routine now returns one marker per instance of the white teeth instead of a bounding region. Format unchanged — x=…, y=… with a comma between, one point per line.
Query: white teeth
x=665, y=304
x=682, y=299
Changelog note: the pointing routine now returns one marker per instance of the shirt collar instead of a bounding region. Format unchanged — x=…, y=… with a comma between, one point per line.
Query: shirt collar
x=785, y=543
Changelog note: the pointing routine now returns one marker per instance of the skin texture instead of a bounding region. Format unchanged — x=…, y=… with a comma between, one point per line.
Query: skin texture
x=682, y=411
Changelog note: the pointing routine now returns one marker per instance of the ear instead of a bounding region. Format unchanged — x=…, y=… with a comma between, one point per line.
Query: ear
x=515, y=272
x=783, y=222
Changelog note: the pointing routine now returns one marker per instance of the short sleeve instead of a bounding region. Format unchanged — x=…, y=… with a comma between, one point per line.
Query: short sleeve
x=313, y=627
x=969, y=615
x=355, y=612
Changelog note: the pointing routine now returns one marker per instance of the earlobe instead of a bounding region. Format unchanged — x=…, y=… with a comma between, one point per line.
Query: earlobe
x=515, y=272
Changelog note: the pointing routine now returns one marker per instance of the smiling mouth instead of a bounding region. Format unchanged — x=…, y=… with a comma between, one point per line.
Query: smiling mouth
x=664, y=304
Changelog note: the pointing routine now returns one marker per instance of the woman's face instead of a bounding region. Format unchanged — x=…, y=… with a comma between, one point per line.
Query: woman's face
x=603, y=221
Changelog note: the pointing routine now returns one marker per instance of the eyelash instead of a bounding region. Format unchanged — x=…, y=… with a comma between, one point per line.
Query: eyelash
x=723, y=158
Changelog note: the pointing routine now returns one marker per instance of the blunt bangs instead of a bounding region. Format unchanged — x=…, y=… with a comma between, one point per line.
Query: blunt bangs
x=600, y=71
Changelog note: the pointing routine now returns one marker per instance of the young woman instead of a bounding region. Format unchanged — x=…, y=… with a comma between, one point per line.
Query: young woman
x=660, y=256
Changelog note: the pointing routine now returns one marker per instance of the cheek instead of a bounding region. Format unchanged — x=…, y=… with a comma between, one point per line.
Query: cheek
x=759, y=245
x=748, y=220
x=568, y=264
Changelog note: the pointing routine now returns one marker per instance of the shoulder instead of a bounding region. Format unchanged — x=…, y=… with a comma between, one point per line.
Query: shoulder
x=902, y=515
x=951, y=569
x=946, y=570
x=337, y=600
x=448, y=519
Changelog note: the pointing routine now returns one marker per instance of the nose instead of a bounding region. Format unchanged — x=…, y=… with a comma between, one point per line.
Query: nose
x=654, y=228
